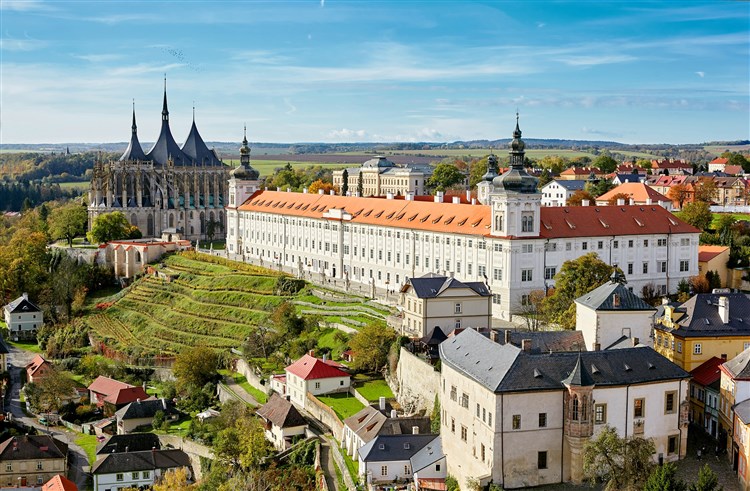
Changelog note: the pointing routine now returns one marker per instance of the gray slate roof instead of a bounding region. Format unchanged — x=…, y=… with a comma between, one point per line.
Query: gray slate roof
x=32, y=447
x=739, y=366
x=479, y=358
x=702, y=316
x=546, y=341
x=22, y=305
x=140, y=461
x=195, y=148
x=371, y=422
x=603, y=298
x=573, y=185
x=432, y=285
x=145, y=409
x=133, y=442
x=742, y=410
x=430, y=453
x=394, y=447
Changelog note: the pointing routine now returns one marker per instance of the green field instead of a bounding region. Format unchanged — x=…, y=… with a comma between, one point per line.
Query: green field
x=374, y=390
x=88, y=444
x=267, y=167
x=344, y=405
x=208, y=304
x=719, y=149
x=737, y=216
x=81, y=186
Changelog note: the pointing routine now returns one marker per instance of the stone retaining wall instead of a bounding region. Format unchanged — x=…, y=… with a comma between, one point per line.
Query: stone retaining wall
x=418, y=383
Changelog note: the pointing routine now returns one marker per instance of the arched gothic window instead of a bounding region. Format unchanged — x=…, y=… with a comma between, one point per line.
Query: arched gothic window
x=583, y=409
x=574, y=410
x=499, y=223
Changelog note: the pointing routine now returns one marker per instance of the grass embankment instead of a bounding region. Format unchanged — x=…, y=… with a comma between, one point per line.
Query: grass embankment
x=737, y=216
x=240, y=379
x=344, y=405
x=374, y=390
x=88, y=444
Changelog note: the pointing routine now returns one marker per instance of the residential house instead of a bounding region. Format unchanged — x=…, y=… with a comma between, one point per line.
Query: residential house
x=278, y=383
x=439, y=301
x=282, y=422
x=671, y=167
x=732, y=191
x=707, y=325
x=539, y=341
x=629, y=177
x=31, y=460
x=704, y=395
x=141, y=413
x=3, y=354
x=387, y=458
x=740, y=450
x=663, y=184
x=611, y=314
x=133, y=442
x=208, y=415
x=139, y=470
x=721, y=164
x=638, y=193
x=428, y=467
x=519, y=419
x=580, y=173
x=714, y=258
x=23, y=318
x=378, y=419
x=316, y=376
x=112, y=395
x=59, y=483
x=558, y=192
x=37, y=368
x=734, y=389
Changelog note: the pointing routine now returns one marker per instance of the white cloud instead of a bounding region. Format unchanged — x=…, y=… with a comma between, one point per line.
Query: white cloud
x=100, y=58
x=701, y=74
x=540, y=24
x=345, y=134
x=28, y=43
x=596, y=60
x=22, y=5
x=291, y=107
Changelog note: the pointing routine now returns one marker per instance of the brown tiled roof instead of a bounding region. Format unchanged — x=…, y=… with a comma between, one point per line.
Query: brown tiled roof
x=708, y=252
x=636, y=190
x=106, y=386
x=59, y=483
x=36, y=364
x=281, y=413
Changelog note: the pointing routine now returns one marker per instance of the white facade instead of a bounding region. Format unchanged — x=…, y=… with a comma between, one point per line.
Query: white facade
x=23, y=318
x=380, y=176
x=385, y=471
x=297, y=387
x=277, y=435
x=556, y=194
x=605, y=327
x=125, y=480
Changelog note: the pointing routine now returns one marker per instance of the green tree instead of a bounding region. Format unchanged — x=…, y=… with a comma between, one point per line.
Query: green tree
x=24, y=264
x=444, y=176
x=108, y=227
x=211, y=227
x=196, y=366
x=370, y=346
x=575, y=278
x=605, y=163
x=707, y=480
x=734, y=158
x=697, y=214
x=599, y=187
x=360, y=184
x=345, y=183
x=50, y=392
x=68, y=222
x=664, y=478
x=226, y=447
x=622, y=463
x=435, y=416
x=158, y=420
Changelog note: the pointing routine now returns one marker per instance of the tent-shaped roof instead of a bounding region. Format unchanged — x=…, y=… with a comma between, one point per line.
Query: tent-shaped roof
x=195, y=148
x=613, y=295
x=638, y=191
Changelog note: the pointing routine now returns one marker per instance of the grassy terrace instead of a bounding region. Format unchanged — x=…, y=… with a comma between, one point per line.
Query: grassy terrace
x=259, y=395
x=88, y=444
x=344, y=405
x=374, y=390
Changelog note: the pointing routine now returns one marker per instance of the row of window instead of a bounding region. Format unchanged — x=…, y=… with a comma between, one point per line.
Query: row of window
x=134, y=476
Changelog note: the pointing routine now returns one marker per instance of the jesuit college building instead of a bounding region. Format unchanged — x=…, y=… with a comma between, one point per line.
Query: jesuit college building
x=507, y=239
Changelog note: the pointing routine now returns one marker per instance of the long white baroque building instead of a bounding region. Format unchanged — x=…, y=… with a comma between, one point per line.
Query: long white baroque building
x=506, y=238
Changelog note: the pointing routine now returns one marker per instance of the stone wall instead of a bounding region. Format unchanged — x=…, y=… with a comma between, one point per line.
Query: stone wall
x=194, y=450
x=325, y=415
x=417, y=383
x=252, y=377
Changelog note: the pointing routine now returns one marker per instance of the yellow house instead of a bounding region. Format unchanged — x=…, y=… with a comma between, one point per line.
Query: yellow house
x=714, y=258
x=707, y=325
x=734, y=414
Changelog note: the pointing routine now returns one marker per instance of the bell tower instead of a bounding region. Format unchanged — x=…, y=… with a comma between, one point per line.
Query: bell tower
x=243, y=182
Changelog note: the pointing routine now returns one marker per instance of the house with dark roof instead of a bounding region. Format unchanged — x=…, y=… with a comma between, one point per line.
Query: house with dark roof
x=387, y=458
x=121, y=470
x=111, y=394
x=524, y=418
x=443, y=302
x=31, y=460
x=23, y=318
x=704, y=395
x=559, y=191
x=428, y=467
x=133, y=442
x=282, y=421
x=141, y=413
x=707, y=325
x=378, y=419
x=316, y=376
x=611, y=315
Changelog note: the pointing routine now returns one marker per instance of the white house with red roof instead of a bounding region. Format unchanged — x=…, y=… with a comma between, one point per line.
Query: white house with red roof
x=316, y=376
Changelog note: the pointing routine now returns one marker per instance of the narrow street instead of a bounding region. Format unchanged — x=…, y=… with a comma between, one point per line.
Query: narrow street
x=326, y=462
x=77, y=457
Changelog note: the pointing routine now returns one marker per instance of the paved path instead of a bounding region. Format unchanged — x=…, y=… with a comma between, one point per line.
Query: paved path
x=77, y=456
x=326, y=462
x=241, y=393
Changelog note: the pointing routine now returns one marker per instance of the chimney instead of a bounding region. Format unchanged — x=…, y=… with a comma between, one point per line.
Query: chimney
x=632, y=201
x=381, y=403
x=635, y=341
x=288, y=190
x=724, y=309
x=127, y=449
x=526, y=345
x=493, y=335
x=164, y=403
x=388, y=195
x=311, y=352
x=620, y=202
x=664, y=300
x=468, y=195
x=278, y=189
x=597, y=347
x=325, y=357
x=304, y=190
x=439, y=197
x=456, y=200
x=321, y=191
x=332, y=192
x=409, y=197
x=649, y=201
x=25, y=296
x=473, y=201
x=415, y=430
x=394, y=414
x=507, y=336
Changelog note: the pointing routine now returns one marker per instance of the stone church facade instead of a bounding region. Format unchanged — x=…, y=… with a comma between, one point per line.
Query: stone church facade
x=169, y=189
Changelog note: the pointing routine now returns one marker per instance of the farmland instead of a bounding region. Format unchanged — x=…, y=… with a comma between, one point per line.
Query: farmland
x=212, y=302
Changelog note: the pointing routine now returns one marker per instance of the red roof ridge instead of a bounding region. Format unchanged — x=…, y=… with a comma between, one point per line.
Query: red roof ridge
x=309, y=368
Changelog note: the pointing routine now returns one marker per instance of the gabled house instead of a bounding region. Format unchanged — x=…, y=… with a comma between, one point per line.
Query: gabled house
x=580, y=173
x=23, y=318
x=637, y=193
x=612, y=314
x=428, y=467
x=37, y=368
x=133, y=442
x=141, y=413
x=671, y=167
x=734, y=390
x=59, y=483
x=138, y=470
x=715, y=258
x=387, y=458
x=558, y=192
x=282, y=421
x=31, y=460
x=438, y=301
x=375, y=420
x=111, y=394
x=704, y=395
x=316, y=376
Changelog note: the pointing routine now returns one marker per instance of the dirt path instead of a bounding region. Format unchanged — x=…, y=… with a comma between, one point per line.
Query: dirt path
x=326, y=462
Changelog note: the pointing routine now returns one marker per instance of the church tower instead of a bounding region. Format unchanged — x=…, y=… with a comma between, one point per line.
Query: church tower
x=484, y=187
x=243, y=182
x=579, y=420
x=515, y=199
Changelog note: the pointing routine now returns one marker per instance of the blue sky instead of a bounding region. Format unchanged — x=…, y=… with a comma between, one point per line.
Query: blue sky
x=343, y=71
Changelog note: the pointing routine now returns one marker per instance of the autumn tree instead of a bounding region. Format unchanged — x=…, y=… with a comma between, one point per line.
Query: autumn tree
x=575, y=278
x=174, y=480
x=578, y=197
x=697, y=214
x=679, y=193
x=110, y=226
x=533, y=310
x=619, y=196
x=706, y=190
x=621, y=463
x=444, y=176
x=196, y=366
x=68, y=222
x=319, y=185
x=370, y=346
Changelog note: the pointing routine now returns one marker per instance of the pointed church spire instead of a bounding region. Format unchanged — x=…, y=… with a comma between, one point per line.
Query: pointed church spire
x=193, y=112
x=134, y=127
x=579, y=376
x=164, y=110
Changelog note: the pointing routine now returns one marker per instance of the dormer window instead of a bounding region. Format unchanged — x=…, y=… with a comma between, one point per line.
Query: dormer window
x=616, y=300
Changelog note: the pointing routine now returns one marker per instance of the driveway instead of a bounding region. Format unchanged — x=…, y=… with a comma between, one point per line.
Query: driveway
x=76, y=457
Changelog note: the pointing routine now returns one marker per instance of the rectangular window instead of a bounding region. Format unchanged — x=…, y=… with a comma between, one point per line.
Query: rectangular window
x=645, y=268
x=669, y=402
x=630, y=244
x=146, y=474
x=120, y=477
x=600, y=245
x=464, y=433
x=481, y=451
x=478, y=410
x=465, y=400
x=39, y=465
x=542, y=420
x=549, y=273
x=684, y=242
x=497, y=274
x=615, y=244
x=453, y=425
x=697, y=349
x=516, y=421
x=407, y=470
x=527, y=248
x=684, y=265
x=661, y=242
x=679, y=346
x=8, y=467
x=383, y=470
x=482, y=271
x=645, y=242
x=630, y=268
x=638, y=408
x=672, y=444
x=584, y=246
x=661, y=266
x=568, y=246
x=457, y=308
x=600, y=414
x=541, y=460
x=454, y=394
x=497, y=247
x=526, y=275
x=136, y=475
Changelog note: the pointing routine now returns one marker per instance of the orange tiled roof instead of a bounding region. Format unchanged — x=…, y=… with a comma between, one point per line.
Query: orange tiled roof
x=636, y=190
x=580, y=171
x=36, y=363
x=719, y=160
x=708, y=252
x=59, y=483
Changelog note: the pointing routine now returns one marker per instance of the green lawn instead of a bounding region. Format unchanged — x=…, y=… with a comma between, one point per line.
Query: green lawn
x=352, y=466
x=88, y=443
x=374, y=390
x=737, y=216
x=178, y=427
x=259, y=395
x=344, y=405
x=26, y=345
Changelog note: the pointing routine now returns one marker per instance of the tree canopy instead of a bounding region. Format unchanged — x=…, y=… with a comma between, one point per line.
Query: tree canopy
x=196, y=366
x=111, y=226
x=576, y=199
x=697, y=214
x=444, y=176
x=605, y=163
x=370, y=346
x=67, y=222
x=622, y=463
